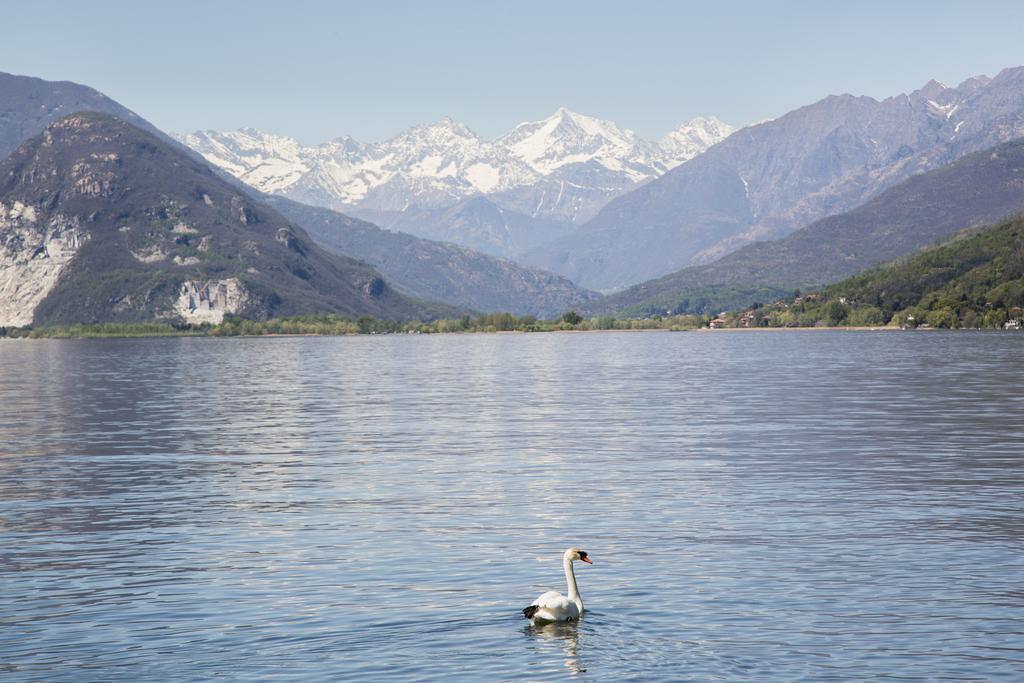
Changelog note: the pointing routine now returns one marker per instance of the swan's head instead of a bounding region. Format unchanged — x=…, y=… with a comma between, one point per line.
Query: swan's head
x=573, y=554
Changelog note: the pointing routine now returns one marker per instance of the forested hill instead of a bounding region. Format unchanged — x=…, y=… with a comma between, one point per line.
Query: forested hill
x=974, y=281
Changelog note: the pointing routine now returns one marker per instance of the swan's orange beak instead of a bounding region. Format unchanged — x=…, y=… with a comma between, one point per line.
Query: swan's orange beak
x=586, y=559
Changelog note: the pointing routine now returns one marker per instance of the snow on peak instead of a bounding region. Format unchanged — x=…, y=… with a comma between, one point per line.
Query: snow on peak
x=932, y=90
x=442, y=128
x=567, y=137
x=693, y=137
x=268, y=162
x=435, y=163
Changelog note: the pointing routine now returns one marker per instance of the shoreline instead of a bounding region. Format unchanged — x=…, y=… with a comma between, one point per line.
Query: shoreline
x=837, y=328
x=704, y=330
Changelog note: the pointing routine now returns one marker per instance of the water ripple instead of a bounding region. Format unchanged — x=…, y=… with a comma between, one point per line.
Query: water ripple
x=830, y=506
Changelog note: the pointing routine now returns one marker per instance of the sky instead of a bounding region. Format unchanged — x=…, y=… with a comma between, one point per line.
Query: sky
x=315, y=70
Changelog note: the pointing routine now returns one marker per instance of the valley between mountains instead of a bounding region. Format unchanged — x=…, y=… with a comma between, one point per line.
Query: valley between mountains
x=105, y=218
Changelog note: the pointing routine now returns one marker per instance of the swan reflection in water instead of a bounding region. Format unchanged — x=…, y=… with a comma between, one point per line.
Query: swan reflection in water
x=564, y=634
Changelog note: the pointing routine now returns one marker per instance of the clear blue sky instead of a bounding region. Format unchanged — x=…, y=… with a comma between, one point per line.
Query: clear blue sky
x=316, y=70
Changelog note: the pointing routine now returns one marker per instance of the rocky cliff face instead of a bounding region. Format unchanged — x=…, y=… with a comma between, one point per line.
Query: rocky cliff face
x=207, y=301
x=32, y=257
x=768, y=180
x=102, y=221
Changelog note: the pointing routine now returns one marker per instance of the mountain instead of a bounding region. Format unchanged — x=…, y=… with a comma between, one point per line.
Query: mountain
x=28, y=105
x=974, y=280
x=549, y=174
x=978, y=189
x=977, y=281
x=438, y=270
x=581, y=162
x=101, y=221
x=569, y=138
x=476, y=222
x=693, y=137
x=768, y=180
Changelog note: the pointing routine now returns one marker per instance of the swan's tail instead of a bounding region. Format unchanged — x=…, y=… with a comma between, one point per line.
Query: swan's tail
x=530, y=611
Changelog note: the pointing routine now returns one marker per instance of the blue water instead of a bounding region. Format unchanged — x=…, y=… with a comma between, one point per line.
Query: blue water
x=759, y=506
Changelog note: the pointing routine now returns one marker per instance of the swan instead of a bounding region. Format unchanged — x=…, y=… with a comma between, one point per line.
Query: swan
x=553, y=606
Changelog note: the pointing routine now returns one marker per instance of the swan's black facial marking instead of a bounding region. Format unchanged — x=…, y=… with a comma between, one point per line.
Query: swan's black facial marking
x=583, y=555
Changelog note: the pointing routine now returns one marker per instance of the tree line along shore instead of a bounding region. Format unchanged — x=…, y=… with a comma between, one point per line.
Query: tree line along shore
x=770, y=317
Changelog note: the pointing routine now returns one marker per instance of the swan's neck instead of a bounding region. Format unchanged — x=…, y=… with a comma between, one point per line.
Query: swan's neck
x=570, y=579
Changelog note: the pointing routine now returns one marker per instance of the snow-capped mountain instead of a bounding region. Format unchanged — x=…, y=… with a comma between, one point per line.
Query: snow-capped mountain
x=430, y=163
x=693, y=137
x=569, y=138
x=270, y=163
x=561, y=169
x=771, y=179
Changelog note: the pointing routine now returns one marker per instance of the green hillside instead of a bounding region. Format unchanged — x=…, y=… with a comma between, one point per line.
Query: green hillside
x=973, y=281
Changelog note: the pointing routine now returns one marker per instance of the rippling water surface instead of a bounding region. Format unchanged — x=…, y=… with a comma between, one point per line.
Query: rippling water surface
x=817, y=506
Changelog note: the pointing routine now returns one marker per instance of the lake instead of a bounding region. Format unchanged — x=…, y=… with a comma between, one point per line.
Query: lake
x=813, y=506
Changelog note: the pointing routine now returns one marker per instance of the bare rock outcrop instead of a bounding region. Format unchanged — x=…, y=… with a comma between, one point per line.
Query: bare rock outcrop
x=32, y=256
x=208, y=301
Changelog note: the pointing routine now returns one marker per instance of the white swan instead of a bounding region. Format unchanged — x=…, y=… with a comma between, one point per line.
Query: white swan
x=553, y=606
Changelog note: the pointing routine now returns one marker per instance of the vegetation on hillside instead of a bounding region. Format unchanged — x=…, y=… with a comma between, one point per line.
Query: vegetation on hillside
x=705, y=300
x=338, y=325
x=975, y=281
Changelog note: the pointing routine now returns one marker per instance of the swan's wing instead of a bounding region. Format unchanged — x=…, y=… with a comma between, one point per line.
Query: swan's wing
x=551, y=600
x=552, y=606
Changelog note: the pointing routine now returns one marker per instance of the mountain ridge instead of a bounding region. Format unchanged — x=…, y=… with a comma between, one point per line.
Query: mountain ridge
x=556, y=171
x=975, y=279
x=977, y=189
x=767, y=180
x=102, y=221
x=29, y=104
x=436, y=270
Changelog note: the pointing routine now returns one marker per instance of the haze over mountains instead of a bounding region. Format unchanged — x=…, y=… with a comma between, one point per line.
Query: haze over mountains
x=441, y=180
x=596, y=204
x=767, y=180
x=28, y=105
x=770, y=179
x=444, y=272
x=823, y=191
x=976, y=190
x=439, y=270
